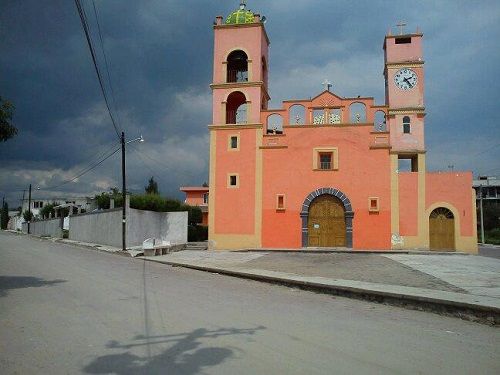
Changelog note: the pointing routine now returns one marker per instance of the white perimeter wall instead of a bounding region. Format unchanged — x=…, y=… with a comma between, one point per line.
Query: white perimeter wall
x=105, y=227
x=50, y=227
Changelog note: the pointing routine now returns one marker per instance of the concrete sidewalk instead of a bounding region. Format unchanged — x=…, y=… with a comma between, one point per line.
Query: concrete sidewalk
x=461, y=285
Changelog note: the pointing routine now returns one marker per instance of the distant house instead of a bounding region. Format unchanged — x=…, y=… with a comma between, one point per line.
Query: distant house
x=198, y=196
x=83, y=203
x=490, y=186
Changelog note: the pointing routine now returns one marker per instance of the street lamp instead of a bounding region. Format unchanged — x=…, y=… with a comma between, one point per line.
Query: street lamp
x=124, y=188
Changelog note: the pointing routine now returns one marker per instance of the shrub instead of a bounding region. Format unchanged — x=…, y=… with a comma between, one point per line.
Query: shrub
x=197, y=233
x=492, y=236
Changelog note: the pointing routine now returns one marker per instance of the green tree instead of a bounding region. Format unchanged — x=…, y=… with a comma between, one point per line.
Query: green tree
x=47, y=210
x=5, y=216
x=28, y=215
x=7, y=130
x=152, y=187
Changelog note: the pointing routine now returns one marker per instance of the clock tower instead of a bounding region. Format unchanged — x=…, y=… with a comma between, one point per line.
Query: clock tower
x=404, y=87
x=404, y=90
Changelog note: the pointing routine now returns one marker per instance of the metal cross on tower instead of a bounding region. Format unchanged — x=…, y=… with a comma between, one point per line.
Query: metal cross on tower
x=401, y=26
x=327, y=84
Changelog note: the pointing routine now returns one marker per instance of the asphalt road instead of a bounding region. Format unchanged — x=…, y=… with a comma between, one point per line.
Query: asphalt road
x=66, y=310
x=489, y=251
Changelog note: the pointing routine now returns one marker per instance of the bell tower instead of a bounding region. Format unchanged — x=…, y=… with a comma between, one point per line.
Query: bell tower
x=404, y=95
x=240, y=81
x=404, y=88
x=239, y=93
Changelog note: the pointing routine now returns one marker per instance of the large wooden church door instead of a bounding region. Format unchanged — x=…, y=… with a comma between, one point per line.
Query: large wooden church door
x=326, y=222
x=442, y=230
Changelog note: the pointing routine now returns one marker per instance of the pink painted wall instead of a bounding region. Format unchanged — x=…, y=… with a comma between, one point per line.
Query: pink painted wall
x=403, y=52
x=228, y=39
x=251, y=93
x=455, y=189
x=362, y=173
x=408, y=203
x=412, y=141
x=235, y=207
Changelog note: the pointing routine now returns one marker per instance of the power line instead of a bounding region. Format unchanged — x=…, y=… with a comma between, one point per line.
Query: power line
x=165, y=167
x=83, y=18
x=90, y=161
x=105, y=60
x=486, y=150
x=95, y=165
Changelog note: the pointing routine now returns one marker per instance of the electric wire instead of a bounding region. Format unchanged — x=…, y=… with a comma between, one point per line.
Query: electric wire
x=85, y=171
x=106, y=62
x=89, y=161
x=166, y=167
x=83, y=18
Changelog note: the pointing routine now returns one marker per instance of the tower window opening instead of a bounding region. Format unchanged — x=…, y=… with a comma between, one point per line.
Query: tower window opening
x=236, y=108
x=403, y=40
x=237, y=67
x=408, y=163
x=406, y=125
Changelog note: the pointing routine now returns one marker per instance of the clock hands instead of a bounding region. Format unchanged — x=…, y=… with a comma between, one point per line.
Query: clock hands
x=408, y=82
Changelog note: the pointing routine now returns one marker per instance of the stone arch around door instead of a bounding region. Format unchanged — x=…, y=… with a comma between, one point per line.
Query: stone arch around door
x=349, y=213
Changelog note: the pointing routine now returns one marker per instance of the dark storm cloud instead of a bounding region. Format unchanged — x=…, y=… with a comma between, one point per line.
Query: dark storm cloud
x=160, y=58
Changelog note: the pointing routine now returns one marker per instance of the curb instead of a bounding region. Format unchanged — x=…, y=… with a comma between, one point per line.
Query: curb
x=341, y=251
x=458, y=307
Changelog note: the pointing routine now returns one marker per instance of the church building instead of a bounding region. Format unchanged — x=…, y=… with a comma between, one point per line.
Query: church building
x=328, y=171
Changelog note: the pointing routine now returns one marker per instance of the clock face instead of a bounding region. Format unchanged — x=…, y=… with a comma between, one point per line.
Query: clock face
x=406, y=79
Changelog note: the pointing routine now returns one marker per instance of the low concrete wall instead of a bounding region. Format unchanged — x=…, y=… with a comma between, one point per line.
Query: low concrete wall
x=102, y=227
x=105, y=227
x=169, y=226
x=50, y=227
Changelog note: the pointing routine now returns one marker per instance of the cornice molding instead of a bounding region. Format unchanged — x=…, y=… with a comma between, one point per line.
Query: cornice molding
x=235, y=126
x=236, y=85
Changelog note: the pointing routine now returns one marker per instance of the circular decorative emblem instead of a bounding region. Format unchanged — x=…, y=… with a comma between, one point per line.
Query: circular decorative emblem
x=406, y=79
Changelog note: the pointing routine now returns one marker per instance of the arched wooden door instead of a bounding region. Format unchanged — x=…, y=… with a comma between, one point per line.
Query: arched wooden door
x=326, y=222
x=442, y=230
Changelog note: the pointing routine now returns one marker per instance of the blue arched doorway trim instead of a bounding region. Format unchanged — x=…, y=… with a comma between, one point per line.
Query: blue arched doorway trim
x=349, y=213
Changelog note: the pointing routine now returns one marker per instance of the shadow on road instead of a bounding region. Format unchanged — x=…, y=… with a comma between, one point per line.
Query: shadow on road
x=185, y=356
x=19, y=282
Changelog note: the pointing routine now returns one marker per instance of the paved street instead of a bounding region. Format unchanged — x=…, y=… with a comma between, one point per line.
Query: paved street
x=66, y=310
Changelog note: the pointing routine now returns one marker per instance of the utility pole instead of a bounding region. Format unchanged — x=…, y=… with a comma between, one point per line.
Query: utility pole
x=124, y=195
x=29, y=210
x=481, y=212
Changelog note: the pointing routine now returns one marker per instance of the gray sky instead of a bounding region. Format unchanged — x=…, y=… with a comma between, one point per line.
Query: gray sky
x=160, y=58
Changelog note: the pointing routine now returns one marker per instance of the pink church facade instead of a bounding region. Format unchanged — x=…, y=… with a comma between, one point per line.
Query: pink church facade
x=326, y=171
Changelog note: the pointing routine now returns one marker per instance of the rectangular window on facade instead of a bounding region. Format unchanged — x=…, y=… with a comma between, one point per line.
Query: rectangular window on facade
x=373, y=204
x=325, y=159
x=233, y=180
x=233, y=142
x=406, y=128
x=205, y=198
x=280, y=202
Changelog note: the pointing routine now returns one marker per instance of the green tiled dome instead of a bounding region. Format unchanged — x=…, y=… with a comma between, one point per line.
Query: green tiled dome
x=240, y=16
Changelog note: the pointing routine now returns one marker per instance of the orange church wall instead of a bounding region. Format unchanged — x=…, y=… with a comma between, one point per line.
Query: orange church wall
x=453, y=188
x=362, y=173
x=408, y=203
x=238, y=201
